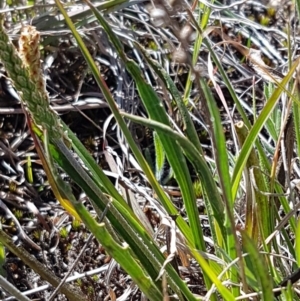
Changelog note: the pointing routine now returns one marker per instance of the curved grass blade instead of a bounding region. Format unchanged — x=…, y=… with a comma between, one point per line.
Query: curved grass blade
x=189, y=127
x=122, y=254
x=156, y=112
x=196, y=159
x=160, y=158
x=58, y=186
x=174, y=155
x=246, y=149
x=125, y=223
x=225, y=293
x=141, y=160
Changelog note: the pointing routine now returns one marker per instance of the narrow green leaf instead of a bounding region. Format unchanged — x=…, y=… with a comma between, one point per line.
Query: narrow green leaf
x=198, y=162
x=225, y=293
x=29, y=170
x=288, y=292
x=159, y=157
x=2, y=257
x=136, y=151
x=156, y=112
x=297, y=247
x=246, y=149
x=262, y=273
x=121, y=254
x=189, y=127
x=124, y=222
x=221, y=159
x=60, y=189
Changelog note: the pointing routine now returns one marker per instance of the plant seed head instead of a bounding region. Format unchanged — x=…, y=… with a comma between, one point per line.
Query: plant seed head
x=180, y=56
x=159, y=17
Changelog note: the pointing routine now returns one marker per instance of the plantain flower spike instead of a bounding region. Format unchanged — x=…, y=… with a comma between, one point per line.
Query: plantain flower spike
x=29, y=52
x=24, y=71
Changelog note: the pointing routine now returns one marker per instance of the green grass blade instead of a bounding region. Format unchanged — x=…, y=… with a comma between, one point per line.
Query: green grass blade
x=197, y=160
x=189, y=127
x=246, y=149
x=141, y=160
x=126, y=225
x=159, y=157
x=289, y=293
x=175, y=157
x=264, y=279
x=224, y=178
x=296, y=116
x=121, y=254
x=225, y=293
x=2, y=257
x=297, y=246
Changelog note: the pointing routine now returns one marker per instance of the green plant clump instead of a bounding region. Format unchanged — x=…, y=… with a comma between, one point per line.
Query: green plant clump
x=242, y=189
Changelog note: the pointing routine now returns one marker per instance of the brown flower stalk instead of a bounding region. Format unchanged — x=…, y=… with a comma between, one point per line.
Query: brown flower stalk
x=30, y=55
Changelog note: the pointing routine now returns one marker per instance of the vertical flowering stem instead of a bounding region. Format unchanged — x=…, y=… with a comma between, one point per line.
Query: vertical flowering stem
x=24, y=76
